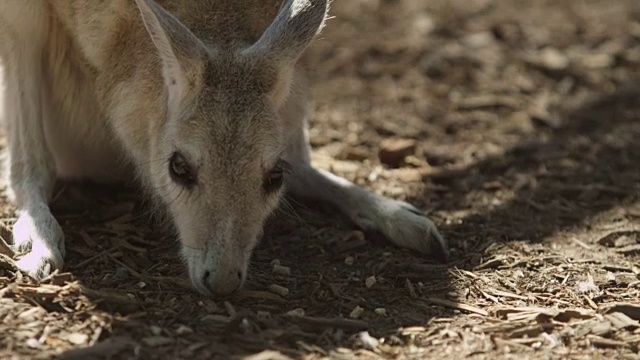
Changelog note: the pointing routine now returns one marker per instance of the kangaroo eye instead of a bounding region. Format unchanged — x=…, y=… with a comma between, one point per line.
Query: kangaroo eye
x=274, y=179
x=180, y=170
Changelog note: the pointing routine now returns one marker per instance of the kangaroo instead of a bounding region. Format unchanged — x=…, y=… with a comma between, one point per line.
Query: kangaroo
x=202, y=101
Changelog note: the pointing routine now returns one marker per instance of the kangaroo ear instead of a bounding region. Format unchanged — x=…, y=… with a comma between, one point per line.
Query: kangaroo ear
x=296, y=24
x=181, y=52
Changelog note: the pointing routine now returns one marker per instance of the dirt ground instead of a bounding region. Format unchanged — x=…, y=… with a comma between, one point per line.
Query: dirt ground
x=518, y=124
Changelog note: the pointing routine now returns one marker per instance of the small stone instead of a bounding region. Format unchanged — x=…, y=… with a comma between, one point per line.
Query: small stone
x=296, y=312
x=553, y=59
x=77, y=338
x=368, y=341
x=349, y=260
x=33, y=343
x=598, y=61
x=275, y=262
x=245, y=326
x=155, y=330
x=182, y=330
x=479, y=39
x=394, y=150
x=356, y=312
x=381, y=311
x=370, y=281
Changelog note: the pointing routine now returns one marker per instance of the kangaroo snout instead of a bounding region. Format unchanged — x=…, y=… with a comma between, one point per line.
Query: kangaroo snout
x=216, y=273
x=225, y=283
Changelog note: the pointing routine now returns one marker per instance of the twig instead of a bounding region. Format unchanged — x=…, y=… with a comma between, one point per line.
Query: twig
x=7, y=263
x=324, y=323
x=581, y=244
x=6, y=249
x=91, y=259
x=109, y=296
x=457, y=306
x=173, y=280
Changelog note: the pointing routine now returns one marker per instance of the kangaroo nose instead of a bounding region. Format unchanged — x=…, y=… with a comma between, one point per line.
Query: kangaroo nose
x=224, y=284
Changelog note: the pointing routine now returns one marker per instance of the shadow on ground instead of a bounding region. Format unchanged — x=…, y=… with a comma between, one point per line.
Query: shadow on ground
x=556, y=180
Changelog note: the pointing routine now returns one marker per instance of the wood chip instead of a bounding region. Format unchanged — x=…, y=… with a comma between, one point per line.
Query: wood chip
x=381, y=311
x=370, y=281
x=280, y=290
x=368, y=341
x=354, y=240
x=183, y=330
x=230, y=309
x=215, y=318
x=512, y=344
x=601, y=342
x=338, y=323
x=113, y=299
x=621, y=321
x=268, y=355
x=156, y=341
x=572, y=314
x=630, y=310
x=7, y=263
x=628, y=250
x=617, y=268
x=356, y=312
x=296, y=312
x=77, y=338
x=281, y=270
x=506, y=294
x=531, y=330
x=122, y=243
x=108, y=348
x=458, y=306
x=5, y=249
x=444, y=174
x=394, y=150
x=600, y=328
x=410, y=288
x=263, y=295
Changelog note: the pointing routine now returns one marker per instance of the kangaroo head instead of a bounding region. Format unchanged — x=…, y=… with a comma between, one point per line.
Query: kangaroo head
x=220, y=173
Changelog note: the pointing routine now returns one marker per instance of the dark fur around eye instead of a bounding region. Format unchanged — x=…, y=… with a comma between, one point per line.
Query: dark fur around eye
x=274, y=178
x=181, y=171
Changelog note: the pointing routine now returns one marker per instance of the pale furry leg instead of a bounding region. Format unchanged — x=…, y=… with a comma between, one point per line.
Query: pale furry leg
x=398, y=221
x=30, y=167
